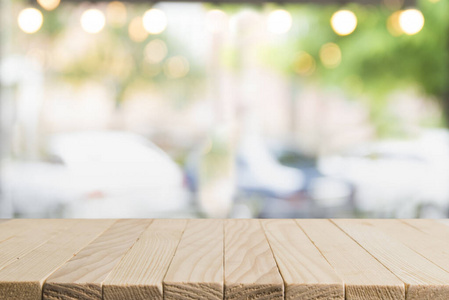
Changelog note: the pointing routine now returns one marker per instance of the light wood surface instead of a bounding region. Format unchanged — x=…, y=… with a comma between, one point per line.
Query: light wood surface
x=250, y=269
x=443, y=221
x=424, y=279
x=82, y=277
x=434, y=249
x=196, y=271
x=139, y=274
x=24, y=278
x=17, y=246
x=17, y=226
x=224, y=259
x=437, y=229
x=364, y=276
x=306, y=273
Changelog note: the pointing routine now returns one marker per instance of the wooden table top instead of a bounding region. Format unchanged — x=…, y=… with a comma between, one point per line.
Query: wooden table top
x=224, y=259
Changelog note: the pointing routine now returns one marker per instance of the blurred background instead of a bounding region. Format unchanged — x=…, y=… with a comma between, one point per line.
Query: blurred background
x=133, y=109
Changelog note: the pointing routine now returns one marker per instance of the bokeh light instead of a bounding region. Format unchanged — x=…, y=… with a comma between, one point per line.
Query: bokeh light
x=393, y=24
x=136, y=31
x=330, y=55
x=92, y=20
x=154, y=21
x=279, y=21
x=49, y=4
x=216, y=21
x=304, y=63
x=176, y=67
x=411, y=21
x=116, y=13
x=344, y=22
x=30, y=20
x=155, y=51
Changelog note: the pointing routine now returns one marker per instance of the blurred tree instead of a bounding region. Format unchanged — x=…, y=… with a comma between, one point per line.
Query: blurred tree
x=112, y=57
x=374, y=62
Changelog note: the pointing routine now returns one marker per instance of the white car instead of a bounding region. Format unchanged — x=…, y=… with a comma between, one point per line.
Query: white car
x=105, y=174
x=398, y=178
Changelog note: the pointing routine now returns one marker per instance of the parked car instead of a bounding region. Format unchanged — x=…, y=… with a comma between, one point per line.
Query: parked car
x=407, y=178
x=97, y=174
x=282, y=184
x=327, y=195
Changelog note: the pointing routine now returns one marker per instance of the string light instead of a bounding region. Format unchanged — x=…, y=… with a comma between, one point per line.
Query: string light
x=330, y=55
x=154, y=21
x=304, y=63
x=411, y=21
x=92, y=20
x=30, y=20
x=136, y=31
x=343, y=22
x=155, y=51
x=176, y=67
x=279, y=21
x=49, y=4
x=393, y=24
x=116, y=13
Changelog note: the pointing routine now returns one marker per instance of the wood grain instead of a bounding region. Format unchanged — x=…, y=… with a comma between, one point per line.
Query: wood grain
x=224, y=259
x=250, y=268
x=443, y=221
x=424, y=279
x=306, y=273
x=364, y=277
x=433, y=228
x=83, y=275
x=17, y=226
x=139, y=274
x=434, y=249
x=15, y=247
x=196, y=271
x=23, y=279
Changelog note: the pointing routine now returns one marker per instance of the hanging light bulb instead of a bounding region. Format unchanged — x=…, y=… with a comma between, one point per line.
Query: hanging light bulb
x=411, y=21
x=30, y=20
x=92, y=20
x=343, y=22
x=154, y=21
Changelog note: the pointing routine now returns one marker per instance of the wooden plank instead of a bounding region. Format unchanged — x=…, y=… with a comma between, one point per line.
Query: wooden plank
x=24, y=278
x=139, y=274
x=22, y=243
x=434, y=249
x=443, y=221
x=17, y=226
x=306, y=273
x=250, y=268
x=424, y=279
x=82, y=277
x=196, y=271
x=364, y=277
x=434, y=228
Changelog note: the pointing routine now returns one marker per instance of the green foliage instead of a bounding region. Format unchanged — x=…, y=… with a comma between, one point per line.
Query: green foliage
x=112, y=58
x=374, y=62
